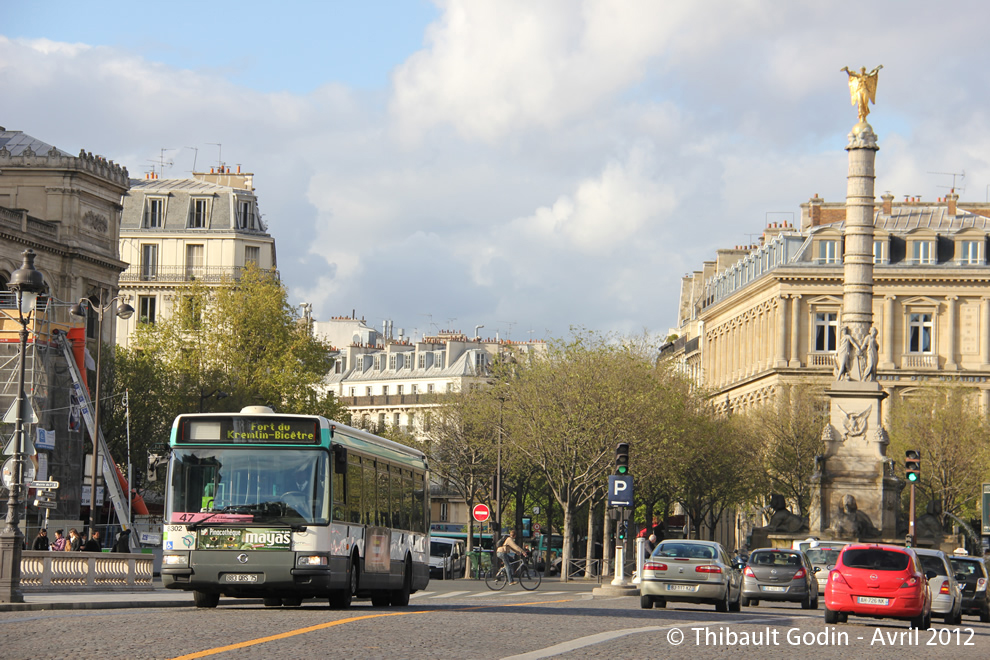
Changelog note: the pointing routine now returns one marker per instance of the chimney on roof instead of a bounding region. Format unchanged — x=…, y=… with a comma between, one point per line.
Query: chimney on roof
x=952, y=198
x=815, y=207
x=888, y=203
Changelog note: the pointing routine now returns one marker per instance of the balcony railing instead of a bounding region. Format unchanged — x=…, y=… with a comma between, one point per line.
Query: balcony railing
x=825, y=359
x=387, y=400
x=181, y=274
x=920, y=362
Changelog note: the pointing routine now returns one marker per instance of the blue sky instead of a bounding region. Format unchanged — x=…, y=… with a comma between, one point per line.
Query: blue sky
x=524, y=165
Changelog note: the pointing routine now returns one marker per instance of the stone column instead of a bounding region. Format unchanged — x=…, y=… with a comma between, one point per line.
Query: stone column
x=985, y=334
x=950, y=360
x=780, y=359
x=887, y=338
x=857, y=259
x=795, y=330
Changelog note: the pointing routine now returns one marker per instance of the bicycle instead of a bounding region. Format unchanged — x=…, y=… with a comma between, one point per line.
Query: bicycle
x=524, y=573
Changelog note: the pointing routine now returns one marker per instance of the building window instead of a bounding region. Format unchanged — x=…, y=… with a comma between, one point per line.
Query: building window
x=923, y=252
x=353, y=391
x=450, y=388
x=395, y=420
x=147, y=308
x=194, y=261
x=444, y=512
x=154, y=212
x=385, y=390
x=252, y=255
x=245, y=215
x=438, y=360
x=149, y=262
x=398, y=389
x=412, y=422
x=414, y=388
x=880, y=252
x=826, y=327
x=969, y=253
x=392, y=361
x=920, y=333
x=367, y=391
x=828, y=252
x=199, y=213
x=429, y=388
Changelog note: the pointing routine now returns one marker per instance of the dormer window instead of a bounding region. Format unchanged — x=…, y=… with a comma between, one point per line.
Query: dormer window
x=828, y=251
x=199, y=213
x=245, y=214
x=969, y=253
x=154, y=212
x=880, y=254
x=923, y=251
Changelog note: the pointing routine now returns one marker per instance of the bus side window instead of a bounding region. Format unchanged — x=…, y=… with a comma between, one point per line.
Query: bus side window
x=354, y=488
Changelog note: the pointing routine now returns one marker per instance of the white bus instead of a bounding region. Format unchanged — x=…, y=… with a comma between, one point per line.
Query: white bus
x=291, y=507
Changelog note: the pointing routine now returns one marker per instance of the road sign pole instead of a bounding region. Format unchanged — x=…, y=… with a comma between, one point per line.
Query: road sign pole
x=911, y=535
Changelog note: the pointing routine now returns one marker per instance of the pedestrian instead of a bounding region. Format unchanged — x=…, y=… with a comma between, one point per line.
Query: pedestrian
x=93, y=544
x=651, y=544
x=41, y=541
x=75, y=541
x=59, y=543
x=122, y=544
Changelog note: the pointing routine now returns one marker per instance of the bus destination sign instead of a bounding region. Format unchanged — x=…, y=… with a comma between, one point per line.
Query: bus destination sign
x=267, y=430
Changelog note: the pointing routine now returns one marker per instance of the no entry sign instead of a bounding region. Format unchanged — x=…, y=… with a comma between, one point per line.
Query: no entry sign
x=481, y=512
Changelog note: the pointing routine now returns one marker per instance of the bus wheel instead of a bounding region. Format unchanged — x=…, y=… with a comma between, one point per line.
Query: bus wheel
x=341, y=598
x=204, y=599
x=400, y=597
x=295, y=601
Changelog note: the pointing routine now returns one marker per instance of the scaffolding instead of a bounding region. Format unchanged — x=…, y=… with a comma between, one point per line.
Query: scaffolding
x=47, y=384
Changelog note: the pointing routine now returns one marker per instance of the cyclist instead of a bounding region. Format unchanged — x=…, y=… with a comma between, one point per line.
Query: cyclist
x=508, y=545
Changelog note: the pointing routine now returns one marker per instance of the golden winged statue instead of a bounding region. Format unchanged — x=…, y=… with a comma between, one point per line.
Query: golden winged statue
x=863, y=89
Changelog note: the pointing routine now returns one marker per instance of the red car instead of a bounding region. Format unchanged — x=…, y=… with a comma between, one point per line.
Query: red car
x=880, y=581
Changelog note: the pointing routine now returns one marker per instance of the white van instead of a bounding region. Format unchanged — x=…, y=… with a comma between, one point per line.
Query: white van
x=823, y=555
x=447, y=558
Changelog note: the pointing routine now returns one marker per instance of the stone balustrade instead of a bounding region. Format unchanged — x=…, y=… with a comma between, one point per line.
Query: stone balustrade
x=43, y=572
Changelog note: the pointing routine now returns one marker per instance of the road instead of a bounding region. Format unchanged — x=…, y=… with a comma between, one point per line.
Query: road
x=462, y=619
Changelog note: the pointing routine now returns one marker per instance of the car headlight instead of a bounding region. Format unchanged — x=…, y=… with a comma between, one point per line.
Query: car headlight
x=311, y=560
x=175, y=560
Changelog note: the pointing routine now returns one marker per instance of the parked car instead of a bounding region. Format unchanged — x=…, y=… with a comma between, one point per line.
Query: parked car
x=447, y=558
x=971, y=574
x=946, y=594
x=784, y=575
x=823, y=556
x=880, y=581
x=688, y=571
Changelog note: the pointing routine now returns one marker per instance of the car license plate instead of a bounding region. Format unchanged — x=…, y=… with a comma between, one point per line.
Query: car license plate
x=870, y=600
x=765, y=588
x=680, y=587
x=240, y=577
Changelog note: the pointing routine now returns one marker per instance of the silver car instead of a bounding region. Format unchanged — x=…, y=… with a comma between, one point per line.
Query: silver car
x=687, y=571
x=946, y=594
x=780, y=575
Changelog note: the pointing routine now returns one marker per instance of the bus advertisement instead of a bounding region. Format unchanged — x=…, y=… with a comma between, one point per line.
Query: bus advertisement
x=293, y=507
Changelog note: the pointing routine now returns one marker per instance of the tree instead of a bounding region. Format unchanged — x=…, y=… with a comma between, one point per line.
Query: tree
x=788, y=432
x=221, y=349
x=946, y=425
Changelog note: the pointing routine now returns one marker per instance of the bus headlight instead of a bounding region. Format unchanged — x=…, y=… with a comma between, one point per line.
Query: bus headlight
x=175, y=560
x=311, y=560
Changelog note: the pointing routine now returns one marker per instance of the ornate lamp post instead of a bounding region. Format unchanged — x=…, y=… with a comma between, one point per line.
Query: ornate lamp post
x=125, y=311
x=26, y=283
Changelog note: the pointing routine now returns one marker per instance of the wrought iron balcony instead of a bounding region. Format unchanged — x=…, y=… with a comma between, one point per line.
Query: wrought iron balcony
x=181, y=274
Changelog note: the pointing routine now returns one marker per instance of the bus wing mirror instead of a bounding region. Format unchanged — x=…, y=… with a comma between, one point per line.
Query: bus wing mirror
x=339, y=459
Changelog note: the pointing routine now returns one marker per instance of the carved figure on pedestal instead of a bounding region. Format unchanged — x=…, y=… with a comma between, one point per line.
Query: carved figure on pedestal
x=929, y=526
x=783, y=521
x=850, y=522
x=844, y=355
x=862, y=89
x=854, y=424
x=869, y=354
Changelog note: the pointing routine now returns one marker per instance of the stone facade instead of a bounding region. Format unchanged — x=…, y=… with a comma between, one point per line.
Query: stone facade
x=176, y=231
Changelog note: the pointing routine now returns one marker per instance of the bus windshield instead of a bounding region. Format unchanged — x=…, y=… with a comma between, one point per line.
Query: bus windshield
x=249, y=485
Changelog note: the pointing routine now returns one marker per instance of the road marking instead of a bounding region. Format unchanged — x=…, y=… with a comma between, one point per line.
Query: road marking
x=331, y=624
x=451, y=594
x=591, y=640
x=421, y=594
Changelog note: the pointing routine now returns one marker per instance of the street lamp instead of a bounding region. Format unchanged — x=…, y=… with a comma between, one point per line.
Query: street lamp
x=26, y=283
x=125, y=311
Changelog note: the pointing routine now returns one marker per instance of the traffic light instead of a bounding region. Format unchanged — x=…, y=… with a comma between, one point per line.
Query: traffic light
x=621, y=530
x=912, y=465
x=622, y=458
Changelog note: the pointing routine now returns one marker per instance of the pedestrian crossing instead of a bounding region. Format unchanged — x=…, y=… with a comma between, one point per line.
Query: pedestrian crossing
x=433, y=595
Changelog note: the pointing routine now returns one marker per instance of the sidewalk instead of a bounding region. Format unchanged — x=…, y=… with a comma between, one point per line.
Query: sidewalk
x=159, y=596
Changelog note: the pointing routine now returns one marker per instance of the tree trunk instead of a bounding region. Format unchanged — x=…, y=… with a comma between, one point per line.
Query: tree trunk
x=606, y=542
x=566, y=551
x=589, y=557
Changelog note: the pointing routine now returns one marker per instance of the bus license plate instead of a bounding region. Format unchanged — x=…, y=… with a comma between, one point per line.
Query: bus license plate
x=870, y=600
x=240, y=577
x=765, y=588
x=680, y=587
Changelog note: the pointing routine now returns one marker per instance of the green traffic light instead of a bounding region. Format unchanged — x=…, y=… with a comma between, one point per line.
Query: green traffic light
x=622, y=469
x=912, y=476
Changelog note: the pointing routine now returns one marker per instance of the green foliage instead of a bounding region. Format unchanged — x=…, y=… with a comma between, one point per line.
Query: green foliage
x=946, y=425
x=224, y=348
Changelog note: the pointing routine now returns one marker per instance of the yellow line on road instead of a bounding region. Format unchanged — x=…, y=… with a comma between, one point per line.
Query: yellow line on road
x=323, y=626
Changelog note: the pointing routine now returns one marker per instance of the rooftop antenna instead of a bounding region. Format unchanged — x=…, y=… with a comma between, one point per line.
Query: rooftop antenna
x=510, y=324
x=195, y=156
x=219, y=154
x=430, y=320
x=961, y=175
x=450, y=323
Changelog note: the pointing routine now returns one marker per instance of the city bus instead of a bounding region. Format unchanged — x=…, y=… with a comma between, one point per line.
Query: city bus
x=292, y=507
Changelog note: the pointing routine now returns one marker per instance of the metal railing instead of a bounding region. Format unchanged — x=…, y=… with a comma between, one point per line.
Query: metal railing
x=179, y=274
x=85, y=571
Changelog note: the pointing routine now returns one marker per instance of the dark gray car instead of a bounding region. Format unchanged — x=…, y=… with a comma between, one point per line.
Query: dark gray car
x=780, y=575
